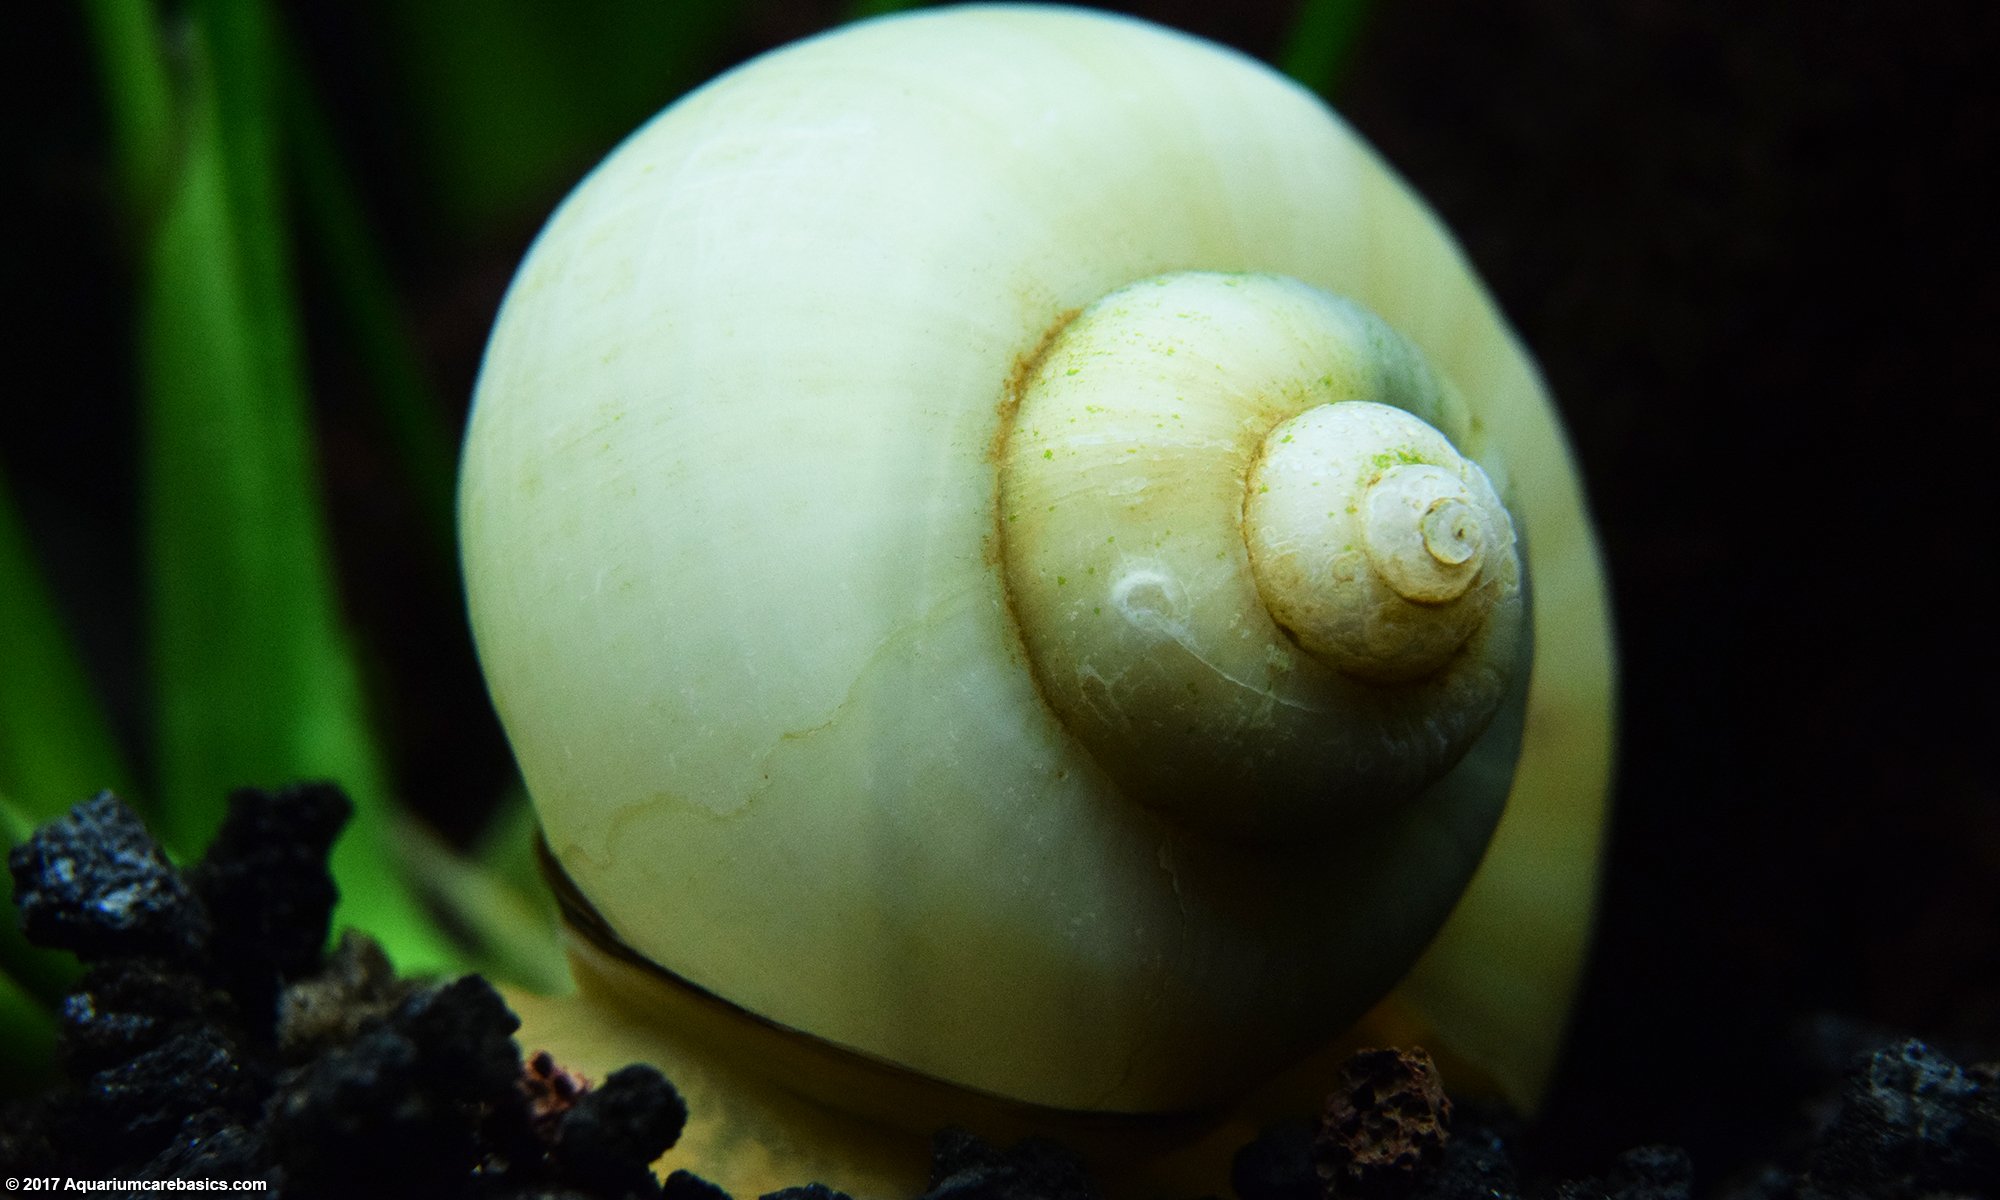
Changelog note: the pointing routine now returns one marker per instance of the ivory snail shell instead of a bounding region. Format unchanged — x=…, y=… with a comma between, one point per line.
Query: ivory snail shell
x=1006, y=542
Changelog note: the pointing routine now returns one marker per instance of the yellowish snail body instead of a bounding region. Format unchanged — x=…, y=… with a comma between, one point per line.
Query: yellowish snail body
x=1030, y=584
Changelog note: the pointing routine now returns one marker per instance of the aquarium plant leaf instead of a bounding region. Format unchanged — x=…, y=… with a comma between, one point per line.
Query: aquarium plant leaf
x=412, y=413
x=858, y=10
x=28, y=1031
x=513, y=932
x=511, y=100
x=1321, y=42
x=139, y=108
x=55, y=745
x=505, y=848
x=255, y=680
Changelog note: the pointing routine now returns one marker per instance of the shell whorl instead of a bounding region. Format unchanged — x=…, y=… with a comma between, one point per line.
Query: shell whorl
x=1375, y=544
x=1251, y=575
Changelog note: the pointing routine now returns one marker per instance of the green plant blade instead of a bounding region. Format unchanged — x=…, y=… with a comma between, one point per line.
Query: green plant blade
x=859, y=10
x=56, y=747
x=28, y=1031
x=411, y=411
x=505, y=848
x=255, y=681
x=514, y=933
x=512, y=100
x=1321, y=42
x=138, y=94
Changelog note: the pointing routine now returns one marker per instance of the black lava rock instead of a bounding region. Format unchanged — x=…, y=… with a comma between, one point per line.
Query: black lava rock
x=1278, y=1165
x=408, y=1101
x=356, y=990
x=1910, y=1123
x=606, y=1139
x=208, y=1145
x=1644, y=1173
x=686, y=1185
x=966, y=1167
x=1475, y=1162
x=1384, y=1126
x=1652, y=1173
x=212, y=1039
x=124, y=1007
x=265, y=882
x=95, y=883
x=463, y=1036
x=811, y=1191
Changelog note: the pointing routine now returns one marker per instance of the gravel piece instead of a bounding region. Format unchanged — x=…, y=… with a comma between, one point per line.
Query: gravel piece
x=210, y=1146
x=1475, y=1164
x=126, y=1006
x=686, y=1185
x=408, y=1100
x=142, y=1102
x=1278, y=1165
x=266, y=884
x=811, y=1191
x=356, y=989
x=1642, y=1173
x=610, y=1134
x=966, y=1167
x=1386, y=1118
x=1910, y=1122
x=95, y=883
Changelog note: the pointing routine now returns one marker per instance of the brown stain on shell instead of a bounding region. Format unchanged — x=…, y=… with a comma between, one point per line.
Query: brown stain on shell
x=1024, y=368
x=994, y=548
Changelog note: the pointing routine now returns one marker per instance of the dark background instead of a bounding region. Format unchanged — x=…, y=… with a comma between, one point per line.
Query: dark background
x=1753, y=247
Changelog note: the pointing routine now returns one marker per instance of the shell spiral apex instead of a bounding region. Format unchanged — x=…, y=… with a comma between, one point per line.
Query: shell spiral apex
x=1223, y=512
x=1002, y=540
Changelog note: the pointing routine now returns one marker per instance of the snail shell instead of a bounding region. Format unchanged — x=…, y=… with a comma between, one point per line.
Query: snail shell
x=874, y=671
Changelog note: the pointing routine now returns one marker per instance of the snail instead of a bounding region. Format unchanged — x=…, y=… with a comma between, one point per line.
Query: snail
x=1022, y=571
